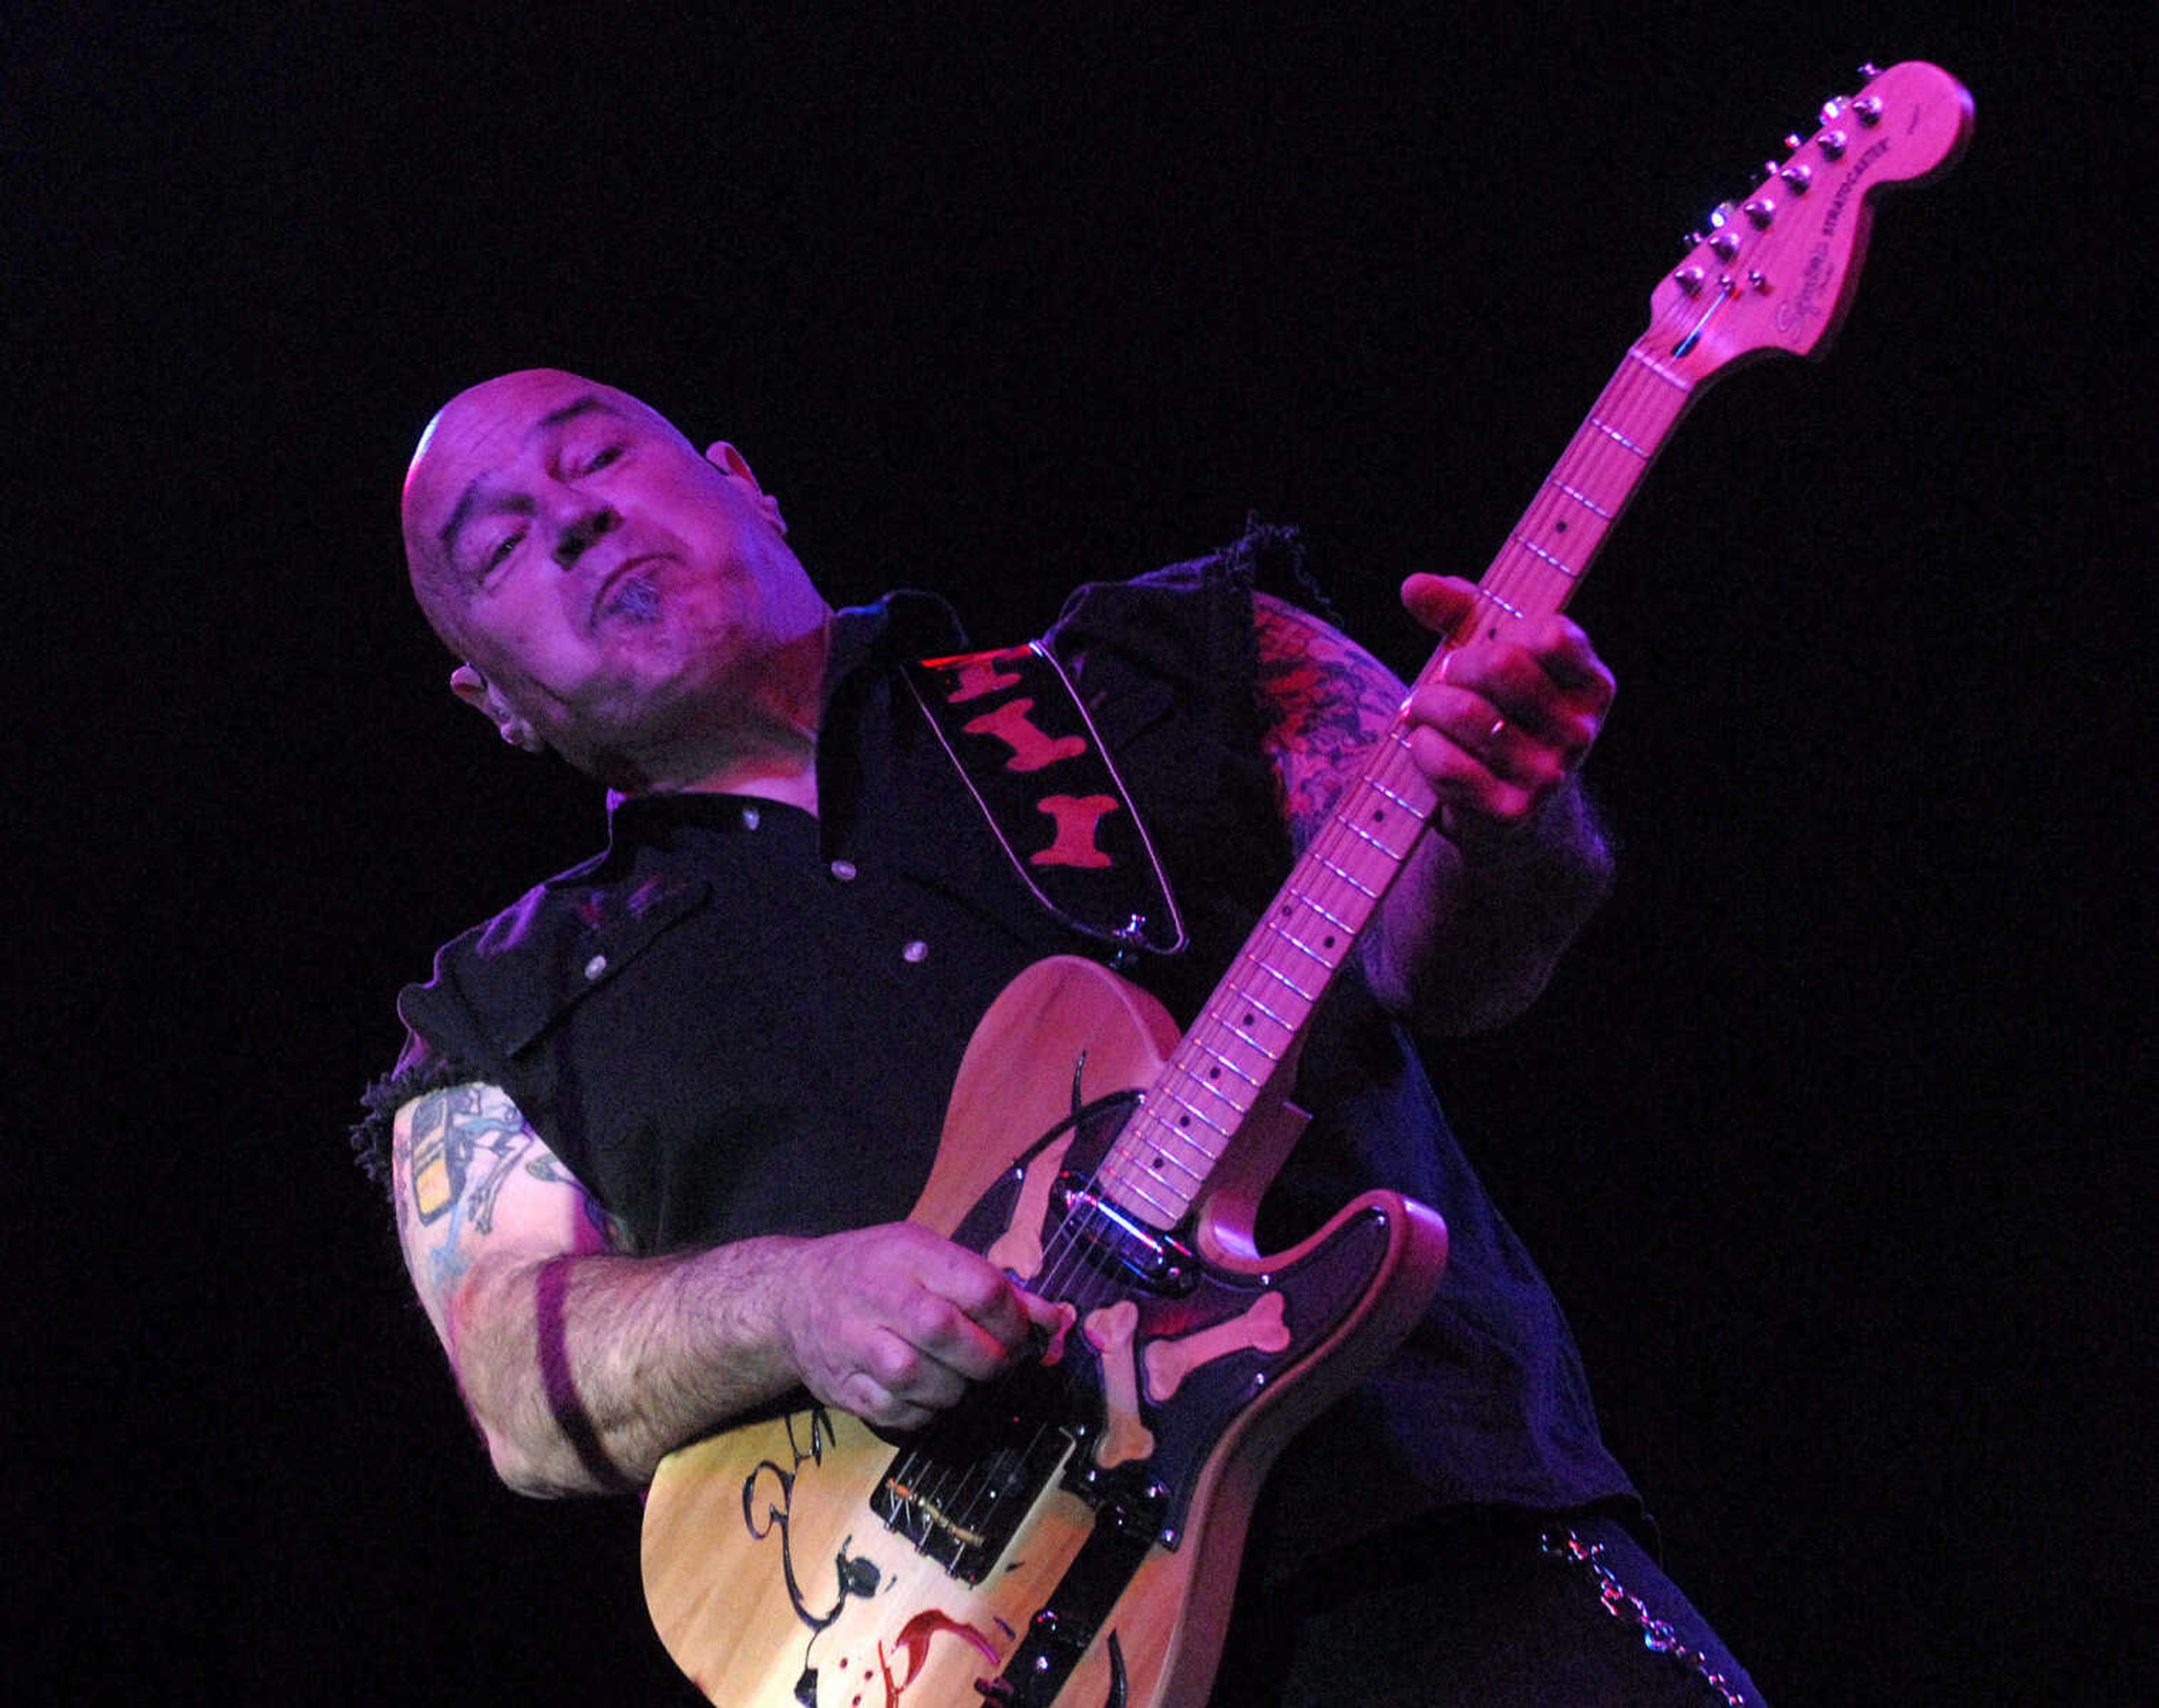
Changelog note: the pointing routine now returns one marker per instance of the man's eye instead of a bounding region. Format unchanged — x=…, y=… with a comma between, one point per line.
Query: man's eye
x=498, y=554
x=600, y=459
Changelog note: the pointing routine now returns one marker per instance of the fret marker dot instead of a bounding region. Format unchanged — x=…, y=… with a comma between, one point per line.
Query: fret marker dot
x=1213, y=1073
x=1327, y=943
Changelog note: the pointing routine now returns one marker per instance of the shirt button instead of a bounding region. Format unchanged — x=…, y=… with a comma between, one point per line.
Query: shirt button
x=750, y=816
x=595, y=966
x=844, y=870
x=915, y=951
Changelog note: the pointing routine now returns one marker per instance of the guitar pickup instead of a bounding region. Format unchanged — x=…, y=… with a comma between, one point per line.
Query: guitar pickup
x=1122, y=1247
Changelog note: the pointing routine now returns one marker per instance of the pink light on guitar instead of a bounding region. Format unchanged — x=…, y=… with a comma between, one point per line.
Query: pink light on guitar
x=1070, y=1539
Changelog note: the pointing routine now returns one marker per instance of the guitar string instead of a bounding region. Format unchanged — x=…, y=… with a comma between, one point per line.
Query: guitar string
x=1587, y=466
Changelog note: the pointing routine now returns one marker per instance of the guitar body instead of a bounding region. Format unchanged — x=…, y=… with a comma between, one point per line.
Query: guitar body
x=1072, y=1537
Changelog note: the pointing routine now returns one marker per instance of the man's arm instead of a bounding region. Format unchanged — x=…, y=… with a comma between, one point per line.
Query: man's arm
x=583, y=1367
x=1472, y=930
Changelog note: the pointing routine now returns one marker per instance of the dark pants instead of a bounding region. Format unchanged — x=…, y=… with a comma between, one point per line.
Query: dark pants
x=1553, y=1613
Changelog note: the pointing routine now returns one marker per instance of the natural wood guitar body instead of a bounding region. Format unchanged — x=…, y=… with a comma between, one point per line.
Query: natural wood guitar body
x=772, y=1575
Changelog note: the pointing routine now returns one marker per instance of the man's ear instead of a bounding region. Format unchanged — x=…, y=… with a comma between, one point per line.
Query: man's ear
x=723, y=457
x=478, y=693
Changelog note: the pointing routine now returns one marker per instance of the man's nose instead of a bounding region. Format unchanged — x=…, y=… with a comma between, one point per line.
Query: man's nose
x=581, y=531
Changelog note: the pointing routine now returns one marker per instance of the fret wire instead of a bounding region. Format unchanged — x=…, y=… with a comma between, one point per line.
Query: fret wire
x=1306, y=996
x=1618, y=437
x=1116, y=1168
x=1191, y=1108
x=1638, y=354
x=1283, y=976
x=1582, y=498
x=1236, y=1027
x=1223, y=1061
x=1380, y=788
x=1351, y=882
x=1485, y=592
x=1136, y=1182
x=1155, y=1118
x=1365, y=837
x=1167, y=1153
x=1566, y=570
x=1361, y=834
x=1340, y=925
x=1213, y=1087
x=1251, y=1001
x=1317, y=912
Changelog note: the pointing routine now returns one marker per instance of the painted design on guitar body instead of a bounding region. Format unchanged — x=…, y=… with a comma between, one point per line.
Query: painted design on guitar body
x=1016, y=1486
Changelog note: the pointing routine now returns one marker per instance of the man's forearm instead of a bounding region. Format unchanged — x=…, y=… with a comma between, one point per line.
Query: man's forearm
x=584, y=1370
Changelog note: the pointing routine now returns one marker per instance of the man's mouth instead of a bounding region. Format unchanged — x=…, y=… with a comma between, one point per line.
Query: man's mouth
x=628, y=593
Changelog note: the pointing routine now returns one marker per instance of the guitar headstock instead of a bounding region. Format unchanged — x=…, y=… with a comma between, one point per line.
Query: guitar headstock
x=1776, y=271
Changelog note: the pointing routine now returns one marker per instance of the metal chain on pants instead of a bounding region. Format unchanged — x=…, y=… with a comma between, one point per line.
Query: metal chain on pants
x=1659, y=1636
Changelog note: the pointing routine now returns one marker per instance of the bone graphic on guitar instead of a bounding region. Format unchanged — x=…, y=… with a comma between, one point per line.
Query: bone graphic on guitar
x=1169, y=1362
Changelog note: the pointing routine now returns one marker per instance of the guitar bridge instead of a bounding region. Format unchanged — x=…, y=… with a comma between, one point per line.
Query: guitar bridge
x=959, y=1490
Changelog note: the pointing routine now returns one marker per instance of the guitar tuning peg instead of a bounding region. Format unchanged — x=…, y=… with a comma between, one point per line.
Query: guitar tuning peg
x=1794, y=141
x=1869, y=71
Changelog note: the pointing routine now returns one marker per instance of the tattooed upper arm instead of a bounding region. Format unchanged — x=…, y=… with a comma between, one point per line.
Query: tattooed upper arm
x=471, y=1181
x=1324, y=700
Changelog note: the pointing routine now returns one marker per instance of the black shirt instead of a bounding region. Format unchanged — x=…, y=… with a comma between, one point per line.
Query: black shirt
x=740, y=1019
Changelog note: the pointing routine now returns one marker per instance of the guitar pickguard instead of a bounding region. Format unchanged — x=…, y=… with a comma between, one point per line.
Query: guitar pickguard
x=1288, y=1311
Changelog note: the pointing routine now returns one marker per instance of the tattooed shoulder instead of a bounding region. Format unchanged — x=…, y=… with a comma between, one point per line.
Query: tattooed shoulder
x=1324, y=701
x=460, y=1145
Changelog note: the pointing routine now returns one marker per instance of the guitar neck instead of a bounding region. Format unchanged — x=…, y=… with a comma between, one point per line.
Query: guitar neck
x=1774, y=274
x=1217, y=1075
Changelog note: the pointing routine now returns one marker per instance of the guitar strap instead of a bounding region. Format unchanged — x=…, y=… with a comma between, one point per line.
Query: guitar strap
x=1022, y=743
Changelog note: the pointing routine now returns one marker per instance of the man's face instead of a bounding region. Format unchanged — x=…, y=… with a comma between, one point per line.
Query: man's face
x=615, y=588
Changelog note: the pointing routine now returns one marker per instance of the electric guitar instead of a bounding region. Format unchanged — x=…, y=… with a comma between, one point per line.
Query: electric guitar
x=1070, y=1536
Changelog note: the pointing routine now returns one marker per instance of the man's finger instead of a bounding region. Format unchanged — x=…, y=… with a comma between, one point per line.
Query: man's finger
x=1440, y=603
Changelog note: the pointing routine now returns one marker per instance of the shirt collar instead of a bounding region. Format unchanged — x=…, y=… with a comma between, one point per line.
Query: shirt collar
x=867, y=640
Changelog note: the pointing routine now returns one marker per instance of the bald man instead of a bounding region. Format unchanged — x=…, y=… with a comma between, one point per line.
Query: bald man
x=657, y=1126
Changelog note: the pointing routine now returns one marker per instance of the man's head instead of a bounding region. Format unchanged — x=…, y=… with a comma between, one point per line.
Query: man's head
x=615, y=596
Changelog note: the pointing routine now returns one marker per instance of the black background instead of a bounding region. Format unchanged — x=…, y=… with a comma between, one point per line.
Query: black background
x=1829, y=1134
